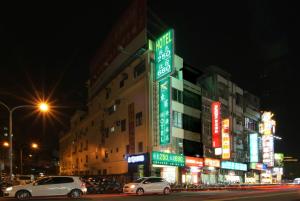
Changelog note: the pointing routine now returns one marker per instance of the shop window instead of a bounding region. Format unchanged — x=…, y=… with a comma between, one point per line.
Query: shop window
x=140, y=146
x=139, y=118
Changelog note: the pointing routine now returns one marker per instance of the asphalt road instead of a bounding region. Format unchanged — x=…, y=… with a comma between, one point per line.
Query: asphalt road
x=290, y=194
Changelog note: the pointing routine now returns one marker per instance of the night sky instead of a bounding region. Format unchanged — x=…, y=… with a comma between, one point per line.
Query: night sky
x=47, y=49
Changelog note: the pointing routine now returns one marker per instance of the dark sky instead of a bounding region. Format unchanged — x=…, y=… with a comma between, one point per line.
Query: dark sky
x=47, y=48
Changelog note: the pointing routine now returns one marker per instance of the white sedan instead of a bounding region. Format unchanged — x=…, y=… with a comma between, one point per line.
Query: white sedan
x=48, y=186
x=148, y=185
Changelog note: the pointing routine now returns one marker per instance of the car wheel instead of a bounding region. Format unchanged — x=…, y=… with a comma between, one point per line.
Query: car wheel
x=75, y=193
x=167, y=191
x=23, y=195
x=140, y=191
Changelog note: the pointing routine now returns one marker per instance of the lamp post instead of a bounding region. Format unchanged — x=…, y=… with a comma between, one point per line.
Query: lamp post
x=42, y=107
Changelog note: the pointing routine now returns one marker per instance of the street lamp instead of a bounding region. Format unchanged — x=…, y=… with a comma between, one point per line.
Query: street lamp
x=41, y=106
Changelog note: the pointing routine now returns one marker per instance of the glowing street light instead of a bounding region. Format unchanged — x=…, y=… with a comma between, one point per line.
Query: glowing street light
x=43, y=107
x=34, y=146
x=5, y=144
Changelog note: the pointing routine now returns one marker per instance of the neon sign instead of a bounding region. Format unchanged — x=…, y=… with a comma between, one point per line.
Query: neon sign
x=136, y=159
x=253, y=147
x=216, y=124
x=164, y=55
x=161, y=158
x=225, y=139
x=164, y=110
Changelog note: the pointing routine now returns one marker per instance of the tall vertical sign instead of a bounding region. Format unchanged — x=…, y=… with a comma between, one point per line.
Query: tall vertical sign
x=253, y=138
x=225, y=139
x=164, y=110
x=268, y=150
x=164, y=65
x=164, y=55
x=216, y=124
x=131, y=128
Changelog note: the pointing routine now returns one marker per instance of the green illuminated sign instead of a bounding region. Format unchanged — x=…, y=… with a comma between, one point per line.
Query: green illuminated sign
x=164, y=111
x=164, y=55
x=161, y=158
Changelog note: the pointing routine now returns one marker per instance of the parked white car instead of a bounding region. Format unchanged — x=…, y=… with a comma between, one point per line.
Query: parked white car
x=48, y=186
x=297, y=181
x=148, y=185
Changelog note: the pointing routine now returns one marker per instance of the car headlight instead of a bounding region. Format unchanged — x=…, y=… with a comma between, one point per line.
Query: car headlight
x=132, y=186
x=9, y=188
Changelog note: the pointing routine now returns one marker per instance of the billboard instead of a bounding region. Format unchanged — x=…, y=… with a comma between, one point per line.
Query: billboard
x=268, y=150
x=225, y=139
x=161, y=158
x=164, y=55
x=164, y=110
x=268, y=125
x=233, y=166
x=253, y=140
x=193, y=161
x=216, y=124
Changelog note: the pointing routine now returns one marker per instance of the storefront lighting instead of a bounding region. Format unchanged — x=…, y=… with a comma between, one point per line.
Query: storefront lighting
x=132, y=186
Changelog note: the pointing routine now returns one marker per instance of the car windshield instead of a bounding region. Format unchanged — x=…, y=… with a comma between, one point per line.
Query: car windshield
x=139, y=180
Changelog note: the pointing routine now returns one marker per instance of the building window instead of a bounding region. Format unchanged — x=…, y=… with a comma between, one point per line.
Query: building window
x=139, y=118
x=127, y=149
x=106, y=131
x=191, y=123
x=99, y=172
x=106, y=154
x=177, y=119
x=96, y=156
x=107, y=94
x=206, y=109
x=140, y=146
x=177, y=95
x=92, y=124
x=191, y=99
x=117, y=149
x=111, y=151
x=139, y=69
x=86, y=158
x=86, y=145
x=112, y=129
x=112, y=109
x=123, y=125
x=122, y=83
x=251, y=124
x=239, y=100
x=104, y=172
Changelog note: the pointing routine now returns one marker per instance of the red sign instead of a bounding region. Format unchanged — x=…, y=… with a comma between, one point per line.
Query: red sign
x=216, y=124
x=193, y=162
x=210, y=162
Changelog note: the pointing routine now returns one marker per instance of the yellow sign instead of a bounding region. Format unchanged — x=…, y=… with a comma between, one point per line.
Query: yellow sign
x=225, y=139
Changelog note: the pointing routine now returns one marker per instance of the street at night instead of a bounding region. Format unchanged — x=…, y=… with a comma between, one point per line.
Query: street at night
x=193, y=100
x=283, y=194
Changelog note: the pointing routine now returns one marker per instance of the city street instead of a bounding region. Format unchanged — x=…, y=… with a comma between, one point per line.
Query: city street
x=284, y=194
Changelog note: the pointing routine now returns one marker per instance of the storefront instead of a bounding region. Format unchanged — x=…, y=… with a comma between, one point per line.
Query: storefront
x=191, y=173
x=167, y=165
x=266, y=177
x=254, y=174
x=210, y=171
x=232, y=173
x=138, y=166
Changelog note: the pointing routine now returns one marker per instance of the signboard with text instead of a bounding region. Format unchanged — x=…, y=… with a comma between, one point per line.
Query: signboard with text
x=253, y=147
x=233, y=166
x=216, y=124
x=268, y=150
x=225, y=139
x=161, y=158
x=211, y=162
x=164, y=111
x=193, y=161
x=164, y=55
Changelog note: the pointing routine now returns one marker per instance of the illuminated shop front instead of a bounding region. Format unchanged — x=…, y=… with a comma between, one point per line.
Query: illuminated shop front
x=191, y=174
x=232, y=172
x=266, y=177
x=167, y=165
x=138, y=166
x=254, y=174
x=210, y=171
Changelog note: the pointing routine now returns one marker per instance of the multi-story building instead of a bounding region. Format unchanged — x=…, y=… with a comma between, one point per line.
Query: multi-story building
x=142, y=120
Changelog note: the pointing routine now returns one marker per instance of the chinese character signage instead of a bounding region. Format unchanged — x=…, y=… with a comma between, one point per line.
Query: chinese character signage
x=268, y=150
x=258, y=166
x=161, y=158
x=210, y=162
x=233, y=166
x=225, y=139
x=278, y=159
x=193, y=161
x=136, y=159
x=216, y=124
x=164, y=55
x=164, y=111
x=253, y=147
x=268, y=125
